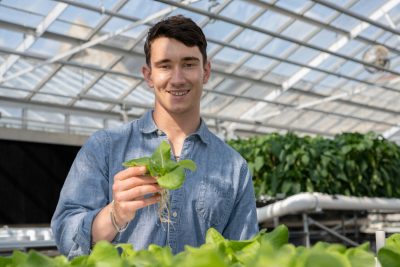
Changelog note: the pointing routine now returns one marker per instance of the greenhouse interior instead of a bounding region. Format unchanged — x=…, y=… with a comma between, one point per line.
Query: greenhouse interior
x=302, y=103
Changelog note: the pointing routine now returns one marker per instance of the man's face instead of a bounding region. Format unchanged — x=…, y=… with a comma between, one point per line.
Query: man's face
x=177, y=75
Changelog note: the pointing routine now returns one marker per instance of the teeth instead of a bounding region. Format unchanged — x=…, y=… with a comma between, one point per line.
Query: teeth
x=180, y=93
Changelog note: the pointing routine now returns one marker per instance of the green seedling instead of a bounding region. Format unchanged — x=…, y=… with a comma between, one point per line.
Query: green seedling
x=170, y=174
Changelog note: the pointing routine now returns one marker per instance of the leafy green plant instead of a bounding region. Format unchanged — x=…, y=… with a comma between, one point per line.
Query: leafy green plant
x=266, y=249
x=170, y=174
x=389, y=255
x=350, y=163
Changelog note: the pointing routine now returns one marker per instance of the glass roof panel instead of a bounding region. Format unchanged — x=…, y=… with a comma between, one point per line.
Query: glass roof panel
x=229, y=55
x=366, y=7
x=313, y=76
x=10, y=39
x=371, y=32
x=80, y=17
x=145, y=9
x=259, y=63
x=271, y=21
x=76, y=30
x=285, y=69
x=303, y=54
x=324, y=38
x=240, y=10
x=277, y=47
x=218, y=29
x=249, y=39
x=237, y=108
x=48, y=47
x=16, y=15
x=299, y=30
x=320, y=13
x=40, y=7
x=345, y=22
x=294, y=5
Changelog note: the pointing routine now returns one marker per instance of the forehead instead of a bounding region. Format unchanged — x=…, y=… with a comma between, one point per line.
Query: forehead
x=164, y=48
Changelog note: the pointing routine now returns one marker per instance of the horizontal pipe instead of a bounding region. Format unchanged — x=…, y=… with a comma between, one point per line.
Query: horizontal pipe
x=306, y=202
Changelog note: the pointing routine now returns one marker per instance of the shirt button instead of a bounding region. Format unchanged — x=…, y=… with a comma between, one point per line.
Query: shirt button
x=159, y=132
x=174, y=214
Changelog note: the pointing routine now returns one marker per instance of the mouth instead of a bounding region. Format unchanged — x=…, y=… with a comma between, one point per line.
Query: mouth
x=178, y=93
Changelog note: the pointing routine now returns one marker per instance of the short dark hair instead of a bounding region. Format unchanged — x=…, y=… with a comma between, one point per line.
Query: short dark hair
x=180, y=28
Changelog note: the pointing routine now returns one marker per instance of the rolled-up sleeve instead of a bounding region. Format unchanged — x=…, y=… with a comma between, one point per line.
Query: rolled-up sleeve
x=242, y=222
x=84, y=194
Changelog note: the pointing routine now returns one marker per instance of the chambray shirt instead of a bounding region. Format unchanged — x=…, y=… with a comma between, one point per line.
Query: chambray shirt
x=218, y=194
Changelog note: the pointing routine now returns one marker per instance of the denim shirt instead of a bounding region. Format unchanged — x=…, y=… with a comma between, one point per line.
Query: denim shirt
x=218, y=194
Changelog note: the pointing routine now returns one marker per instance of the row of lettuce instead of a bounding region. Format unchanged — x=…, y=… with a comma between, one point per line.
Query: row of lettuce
x=350, y=163
x=265, y=249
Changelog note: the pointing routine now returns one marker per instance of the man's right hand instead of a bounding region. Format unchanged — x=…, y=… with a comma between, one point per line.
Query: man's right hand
x=129, y=190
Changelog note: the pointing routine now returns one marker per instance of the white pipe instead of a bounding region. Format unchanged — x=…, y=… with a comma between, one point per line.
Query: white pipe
x=317, y=201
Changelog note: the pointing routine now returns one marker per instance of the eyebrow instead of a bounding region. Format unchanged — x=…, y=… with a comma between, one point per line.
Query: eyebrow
x=184, y=59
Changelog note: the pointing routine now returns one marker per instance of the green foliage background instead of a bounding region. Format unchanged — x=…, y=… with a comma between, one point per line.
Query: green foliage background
x=350, y=163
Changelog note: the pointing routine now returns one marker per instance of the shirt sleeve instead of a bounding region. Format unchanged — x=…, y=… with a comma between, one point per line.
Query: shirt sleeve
x=84, y=194
x=242, y=222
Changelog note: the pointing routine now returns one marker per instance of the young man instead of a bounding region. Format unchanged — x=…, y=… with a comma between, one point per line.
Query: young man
x=101, y=200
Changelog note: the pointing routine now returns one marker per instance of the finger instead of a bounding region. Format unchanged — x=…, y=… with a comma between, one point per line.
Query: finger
x=136, y=192
x=122, y=185
x=141, y=203
x=125, y=211
x=129, y=172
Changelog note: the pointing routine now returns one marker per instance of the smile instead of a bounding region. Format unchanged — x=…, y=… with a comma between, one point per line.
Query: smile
x=178, y=93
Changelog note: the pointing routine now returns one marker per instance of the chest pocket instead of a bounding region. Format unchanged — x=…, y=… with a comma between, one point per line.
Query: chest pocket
x=214, y=200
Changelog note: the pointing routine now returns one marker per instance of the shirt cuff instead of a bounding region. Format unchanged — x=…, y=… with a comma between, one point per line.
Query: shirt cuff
x=83, y=237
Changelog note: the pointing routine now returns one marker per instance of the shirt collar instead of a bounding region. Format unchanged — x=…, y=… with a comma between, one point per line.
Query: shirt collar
x=147, y=126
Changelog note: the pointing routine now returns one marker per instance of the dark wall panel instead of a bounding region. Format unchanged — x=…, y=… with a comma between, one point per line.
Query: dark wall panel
x=31, y=177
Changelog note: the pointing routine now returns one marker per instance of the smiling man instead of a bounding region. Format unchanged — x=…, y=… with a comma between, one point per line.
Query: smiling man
x=101, y=200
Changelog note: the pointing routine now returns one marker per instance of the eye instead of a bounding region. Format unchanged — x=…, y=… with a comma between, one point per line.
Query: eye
x=189, y=65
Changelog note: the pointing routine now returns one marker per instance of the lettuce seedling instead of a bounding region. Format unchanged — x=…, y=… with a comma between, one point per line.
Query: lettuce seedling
x=171, y=174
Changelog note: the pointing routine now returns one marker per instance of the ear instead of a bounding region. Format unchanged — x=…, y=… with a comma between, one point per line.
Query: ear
x=146, y=71
x=207, y=72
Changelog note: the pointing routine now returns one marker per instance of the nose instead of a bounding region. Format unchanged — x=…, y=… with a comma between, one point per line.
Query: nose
x=178, y=77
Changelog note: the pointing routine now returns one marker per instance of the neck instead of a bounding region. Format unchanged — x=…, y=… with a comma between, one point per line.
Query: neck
x=176, y=126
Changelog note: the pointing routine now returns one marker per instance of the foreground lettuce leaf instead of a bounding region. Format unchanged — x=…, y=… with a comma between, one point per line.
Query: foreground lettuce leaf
x=266, y=249
x=389, y=255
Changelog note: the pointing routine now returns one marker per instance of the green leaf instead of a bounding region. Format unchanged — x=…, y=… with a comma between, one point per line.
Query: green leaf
x=145, y=161
x=214, y=237
x=324, y=259
x=37, y=259
x=103, y=252
x=388, y=257
x=360, y=258
x=162, y=154
x=18, y=257
x=258, y=163
x=187, y=164
x=172, y=180
x=278, y=237
x=171, y=174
